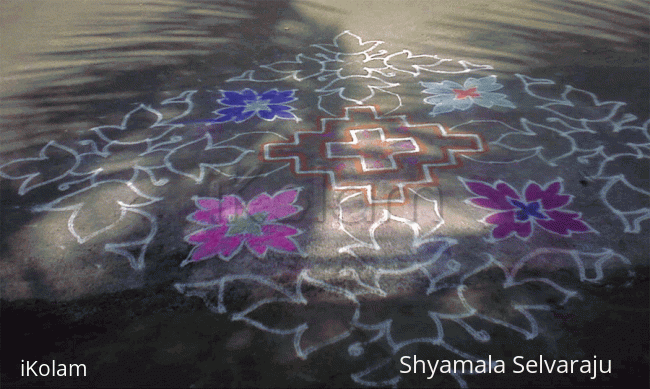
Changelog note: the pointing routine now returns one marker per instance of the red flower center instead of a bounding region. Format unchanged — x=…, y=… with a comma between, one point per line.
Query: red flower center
x=463, y=94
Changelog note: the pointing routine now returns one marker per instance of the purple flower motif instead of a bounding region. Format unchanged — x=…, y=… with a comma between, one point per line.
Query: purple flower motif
x=233, y=224
x=268, y=105
x=541, y=206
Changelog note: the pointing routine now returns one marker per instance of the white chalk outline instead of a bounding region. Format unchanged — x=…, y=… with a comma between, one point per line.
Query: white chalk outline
x=386, y=216
x=202, y=289
x=42, y=156
x=150, y=142
x=331, y=89
x=76, y=208
x=136, y=263
x=536, y=151
x=383, y=328
x=333, y=53
x=631, y=219
x=210, y=145
x=467, y=66
x=637, y=216
x=565, y=101
x=297, y=297
x=336, y=52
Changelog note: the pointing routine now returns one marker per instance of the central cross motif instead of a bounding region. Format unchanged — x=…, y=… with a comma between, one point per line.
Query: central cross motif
x=373, y=150
x=366, y=151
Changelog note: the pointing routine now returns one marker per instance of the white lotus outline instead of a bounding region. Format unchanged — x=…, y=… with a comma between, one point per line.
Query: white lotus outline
x=289, y=295
x=75, y=208
x=42, y=156
x=564, y=101
x=123, y=126
x=638, y=215
x=210, y=145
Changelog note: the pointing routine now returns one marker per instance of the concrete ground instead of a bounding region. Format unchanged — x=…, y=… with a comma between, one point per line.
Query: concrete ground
x=318, y=194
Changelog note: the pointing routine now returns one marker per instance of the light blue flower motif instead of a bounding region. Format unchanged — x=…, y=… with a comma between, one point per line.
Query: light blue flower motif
x=450, y=96
x=268, y=105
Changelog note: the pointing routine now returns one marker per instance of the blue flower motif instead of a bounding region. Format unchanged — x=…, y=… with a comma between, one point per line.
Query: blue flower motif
x=449, y=96
x=268, y=105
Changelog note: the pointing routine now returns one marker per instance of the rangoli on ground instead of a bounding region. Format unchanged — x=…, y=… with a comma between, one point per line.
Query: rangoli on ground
x=406, y=189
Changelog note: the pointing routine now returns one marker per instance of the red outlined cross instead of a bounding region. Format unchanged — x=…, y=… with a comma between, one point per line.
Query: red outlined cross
x=373, y=149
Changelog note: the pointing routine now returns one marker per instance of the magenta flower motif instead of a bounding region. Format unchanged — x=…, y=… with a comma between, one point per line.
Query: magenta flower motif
x=517, y=214
x=233, y=224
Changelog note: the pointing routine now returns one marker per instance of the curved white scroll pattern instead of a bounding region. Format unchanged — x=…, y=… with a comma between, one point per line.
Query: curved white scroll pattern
x=615, y=181
x=583, y=141
x=277, y=294
x=157, y=129
x=83, y=163
x=298, y=297
x=582, y=261
x=363, y=379
x=340, y=88
x=592, y=139
x=420, y=236
x=74, y=202
x=599, y=133
x=354, y=71
x=509, y=144
x=184, y=98
x=85, y=171
x=37, y=175
x=405, y=61
x=587, y=267
x=209, y=155
x=545, y=260
x=371, y=282
x=83, y=174
x=136, y=260
x=421, y=224
x=127, y=200
x=565, y=105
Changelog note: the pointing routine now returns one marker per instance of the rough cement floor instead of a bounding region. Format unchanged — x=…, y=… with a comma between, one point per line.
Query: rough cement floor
x=311, y=194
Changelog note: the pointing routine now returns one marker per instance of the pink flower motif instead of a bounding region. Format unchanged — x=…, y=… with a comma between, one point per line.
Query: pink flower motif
x=541, y=206
x=233, y=224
